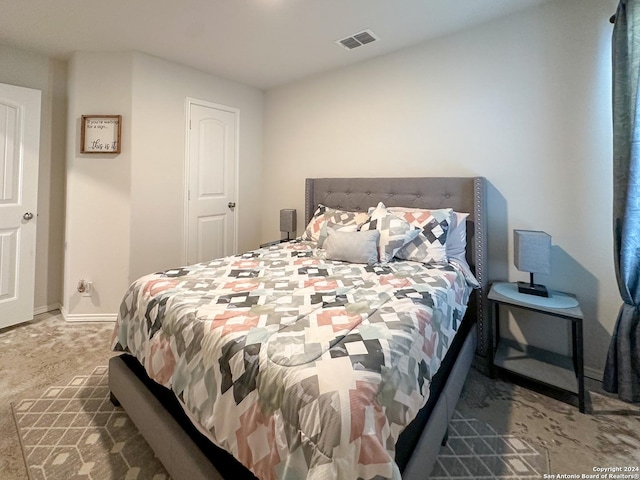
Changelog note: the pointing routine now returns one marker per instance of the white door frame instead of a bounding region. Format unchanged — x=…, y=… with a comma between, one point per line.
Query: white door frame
x=187, y=160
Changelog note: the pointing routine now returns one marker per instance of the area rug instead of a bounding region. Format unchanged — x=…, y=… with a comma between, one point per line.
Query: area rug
x=74, y=432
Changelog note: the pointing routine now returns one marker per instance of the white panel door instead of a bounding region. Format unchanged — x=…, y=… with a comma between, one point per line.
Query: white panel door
x=19, y=158
x=212, y=159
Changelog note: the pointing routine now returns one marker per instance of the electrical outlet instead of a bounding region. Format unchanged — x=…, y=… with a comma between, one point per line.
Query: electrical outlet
x=88, y=291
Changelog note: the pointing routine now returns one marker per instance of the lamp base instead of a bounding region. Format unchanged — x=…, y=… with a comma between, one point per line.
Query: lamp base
x=533, y=289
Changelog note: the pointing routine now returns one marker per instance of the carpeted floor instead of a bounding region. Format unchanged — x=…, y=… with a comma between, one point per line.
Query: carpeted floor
x=49, y=352
x=609, y=436
x=35, y=355
x=74, y=431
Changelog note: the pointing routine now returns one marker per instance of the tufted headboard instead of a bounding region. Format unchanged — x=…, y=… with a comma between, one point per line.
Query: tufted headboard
x=463, y=194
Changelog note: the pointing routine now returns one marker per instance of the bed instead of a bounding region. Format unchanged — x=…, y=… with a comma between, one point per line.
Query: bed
x=394, y=431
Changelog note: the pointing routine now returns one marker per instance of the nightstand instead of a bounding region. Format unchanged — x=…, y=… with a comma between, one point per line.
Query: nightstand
x=536, y=364
x=273, y=242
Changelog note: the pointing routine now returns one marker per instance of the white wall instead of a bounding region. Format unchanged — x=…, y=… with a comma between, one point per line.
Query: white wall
x=160, y=90
x=125, y=212
x=27, y=69
x=523, y=101
x=98, y=203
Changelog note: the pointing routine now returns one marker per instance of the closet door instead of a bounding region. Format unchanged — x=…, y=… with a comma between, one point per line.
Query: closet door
x=211, y=203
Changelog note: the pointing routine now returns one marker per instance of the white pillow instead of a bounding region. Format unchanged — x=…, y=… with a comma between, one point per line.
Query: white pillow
x=457, y=238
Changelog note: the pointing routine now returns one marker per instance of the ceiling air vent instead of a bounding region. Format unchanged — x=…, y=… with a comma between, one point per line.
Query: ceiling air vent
x=357, y=40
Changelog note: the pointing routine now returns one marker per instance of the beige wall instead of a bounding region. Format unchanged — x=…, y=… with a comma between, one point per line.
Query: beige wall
x=27, y=69
x=523, y=101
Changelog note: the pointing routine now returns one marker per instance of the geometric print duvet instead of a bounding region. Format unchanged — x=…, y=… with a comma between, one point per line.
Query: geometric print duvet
x=299, y=366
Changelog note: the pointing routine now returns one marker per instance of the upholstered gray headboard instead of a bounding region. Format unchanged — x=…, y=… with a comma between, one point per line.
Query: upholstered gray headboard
x=463, y=194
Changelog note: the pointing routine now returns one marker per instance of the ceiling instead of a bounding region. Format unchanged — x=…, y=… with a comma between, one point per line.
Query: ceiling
x=261, y=43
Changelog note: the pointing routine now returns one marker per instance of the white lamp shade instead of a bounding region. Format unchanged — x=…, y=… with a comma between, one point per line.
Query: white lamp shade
x=532, y=251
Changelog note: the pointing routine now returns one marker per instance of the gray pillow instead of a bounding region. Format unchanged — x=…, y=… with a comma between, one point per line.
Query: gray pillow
x=353, y=247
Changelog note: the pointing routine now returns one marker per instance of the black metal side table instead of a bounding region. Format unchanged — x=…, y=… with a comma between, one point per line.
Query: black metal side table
x=536, y=364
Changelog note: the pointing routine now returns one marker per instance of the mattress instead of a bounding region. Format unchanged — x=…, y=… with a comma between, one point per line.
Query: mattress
x=299, y=366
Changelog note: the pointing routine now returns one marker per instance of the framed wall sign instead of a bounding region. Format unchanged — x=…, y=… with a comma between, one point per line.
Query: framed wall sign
x=100, y=133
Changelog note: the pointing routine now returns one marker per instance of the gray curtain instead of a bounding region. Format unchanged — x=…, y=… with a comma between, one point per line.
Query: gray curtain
x=622, y=371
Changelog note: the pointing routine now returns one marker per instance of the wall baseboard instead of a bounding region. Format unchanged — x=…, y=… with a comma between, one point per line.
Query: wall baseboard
x=593, y=373
x=46, y=308
x=88, y=317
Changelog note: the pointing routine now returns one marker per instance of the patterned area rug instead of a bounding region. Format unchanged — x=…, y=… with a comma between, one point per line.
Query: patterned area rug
x=74, y=432
x=475, y=450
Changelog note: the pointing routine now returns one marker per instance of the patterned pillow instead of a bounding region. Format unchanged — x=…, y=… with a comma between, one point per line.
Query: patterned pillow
x=324, y=218
x=431, y=243
x=353, y=247
x=395, y=232
x=330, y=226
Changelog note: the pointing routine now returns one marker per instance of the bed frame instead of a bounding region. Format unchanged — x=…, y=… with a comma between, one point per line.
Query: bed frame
x=179, y=451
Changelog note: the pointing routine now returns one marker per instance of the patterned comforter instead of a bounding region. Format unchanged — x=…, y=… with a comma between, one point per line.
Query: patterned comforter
x=301, y=367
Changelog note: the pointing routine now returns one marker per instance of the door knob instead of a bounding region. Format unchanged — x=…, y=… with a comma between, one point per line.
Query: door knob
x=28, y=216
x=231, y=205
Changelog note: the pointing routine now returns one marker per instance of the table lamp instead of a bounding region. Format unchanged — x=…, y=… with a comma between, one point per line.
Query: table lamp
x=532, y=253
x=288, y=221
